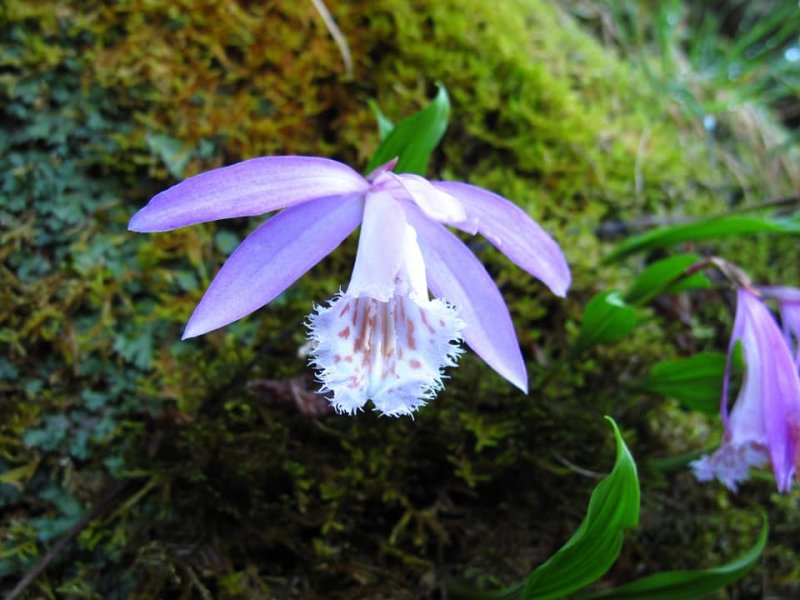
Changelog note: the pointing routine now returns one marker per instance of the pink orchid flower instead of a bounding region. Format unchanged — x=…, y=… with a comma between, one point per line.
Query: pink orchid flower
x=382, y=339
x=764, y=425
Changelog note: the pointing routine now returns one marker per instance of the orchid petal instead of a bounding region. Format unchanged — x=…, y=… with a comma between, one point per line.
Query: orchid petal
x=380, y=170
x=380, y=248
x=737, y=334
x=273, y=257
x=413, y=268
x=789, y=305
x=513, y=232
x=248, y=188
x=781, y=294
x=790, y=316
x=745, y=422
x=779, y=389
x=435, y=203
x=455, y=275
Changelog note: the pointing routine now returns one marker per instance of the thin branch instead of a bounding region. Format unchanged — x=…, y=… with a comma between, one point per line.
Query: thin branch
x=579, y=470
x=100, y=507
x=337, y=36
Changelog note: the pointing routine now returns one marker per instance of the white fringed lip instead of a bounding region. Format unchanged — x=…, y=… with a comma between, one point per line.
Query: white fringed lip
x=392, y=352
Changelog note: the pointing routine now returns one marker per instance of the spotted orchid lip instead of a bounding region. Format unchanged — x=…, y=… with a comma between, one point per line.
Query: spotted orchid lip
x=383, y=339
x=393, y=352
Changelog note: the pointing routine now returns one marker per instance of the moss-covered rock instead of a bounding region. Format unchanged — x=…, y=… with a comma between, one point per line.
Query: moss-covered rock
x=230, y=491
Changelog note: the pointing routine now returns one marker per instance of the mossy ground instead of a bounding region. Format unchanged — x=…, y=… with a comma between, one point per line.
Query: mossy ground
x=231, y=492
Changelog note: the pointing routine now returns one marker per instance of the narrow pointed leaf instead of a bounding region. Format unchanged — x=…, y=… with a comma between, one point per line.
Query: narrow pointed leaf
x=707, y=229
x=696, y=381
x=414, y=138
x=594, y=547
x=605, y=319
x=665, y=277
x=385, y=124
x=688, y=585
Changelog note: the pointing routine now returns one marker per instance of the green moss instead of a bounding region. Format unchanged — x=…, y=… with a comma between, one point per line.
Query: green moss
x=233, y=493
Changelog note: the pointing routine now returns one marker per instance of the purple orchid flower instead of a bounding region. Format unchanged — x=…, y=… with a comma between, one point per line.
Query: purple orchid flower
x=764, y=425
x=382, y=338
x=789, y=306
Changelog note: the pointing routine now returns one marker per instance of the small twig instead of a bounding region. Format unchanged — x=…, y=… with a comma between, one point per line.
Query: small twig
x=100, y=507
x=337, y=36
x=729, y=270
x=573, y=467
x=613, y=229
x=785, y=201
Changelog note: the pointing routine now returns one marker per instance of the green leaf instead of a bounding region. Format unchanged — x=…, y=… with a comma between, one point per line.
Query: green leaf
x=707, y=229
x=695, y=382
x=689, y=585
x=385, y=124
x=594, y=547
x=414, y=139
x=666, y=277
x=606, y=318
x=171, y=151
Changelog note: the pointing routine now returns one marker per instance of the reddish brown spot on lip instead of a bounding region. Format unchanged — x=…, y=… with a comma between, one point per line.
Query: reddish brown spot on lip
x=337, y=358
x=344, y=310
x=345, y=333
x=361, y=329
x=414, y=363
x=412, y=344
x=425, y=321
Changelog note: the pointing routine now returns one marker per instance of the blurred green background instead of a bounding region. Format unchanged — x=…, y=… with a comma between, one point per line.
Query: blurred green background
x=205, y=476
